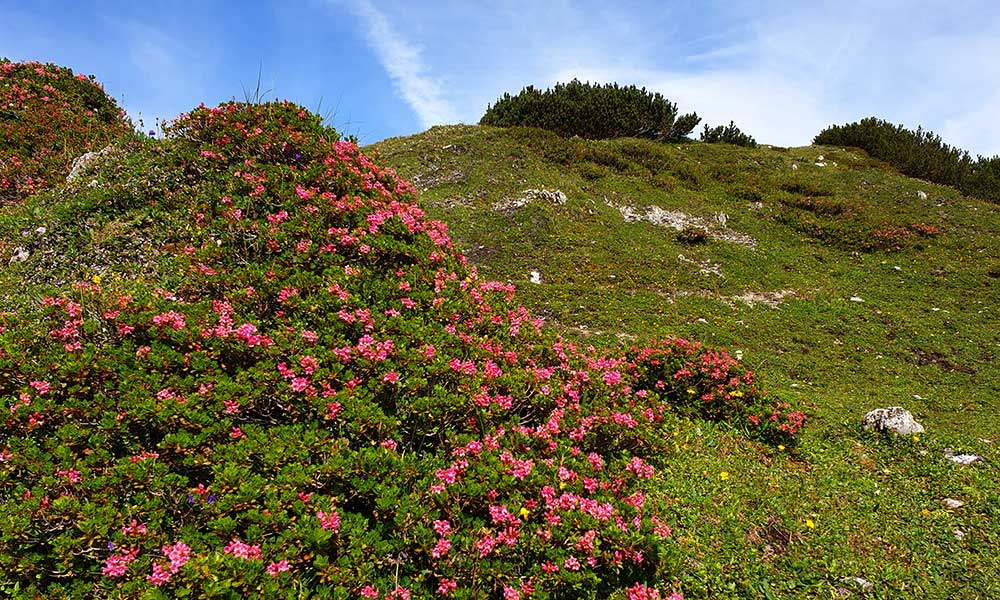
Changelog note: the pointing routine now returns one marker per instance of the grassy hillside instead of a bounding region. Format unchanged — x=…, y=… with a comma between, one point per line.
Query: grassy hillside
x=241, y=361
x=847, y=285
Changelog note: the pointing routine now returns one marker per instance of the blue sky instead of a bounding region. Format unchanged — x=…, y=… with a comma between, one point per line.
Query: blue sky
x=380, y=68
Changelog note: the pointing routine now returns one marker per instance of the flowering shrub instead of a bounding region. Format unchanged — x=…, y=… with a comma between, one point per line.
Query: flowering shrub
x=48, y=117
x=328, y=400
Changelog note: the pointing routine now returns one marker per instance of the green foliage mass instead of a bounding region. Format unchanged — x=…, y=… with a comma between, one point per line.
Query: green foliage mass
x=294, y=386
x=592, y=111
x=919, y=154
x=727, y=134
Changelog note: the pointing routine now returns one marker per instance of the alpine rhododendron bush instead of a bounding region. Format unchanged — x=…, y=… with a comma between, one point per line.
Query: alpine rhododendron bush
x=48, y=117
x=313, y=395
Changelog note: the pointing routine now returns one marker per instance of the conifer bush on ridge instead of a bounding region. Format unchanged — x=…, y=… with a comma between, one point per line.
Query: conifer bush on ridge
x=592, y=111
x=331, y=400
x=920, y=154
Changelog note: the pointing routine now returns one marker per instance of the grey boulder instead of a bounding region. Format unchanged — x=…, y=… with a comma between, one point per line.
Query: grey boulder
x=895, y=419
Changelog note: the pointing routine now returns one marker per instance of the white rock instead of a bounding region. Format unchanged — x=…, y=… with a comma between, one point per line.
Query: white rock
x=895, y=419
x=856, y=299
x=41, y=230
x=952, y=503
x=556, y=197
x=81, y=163
x=820, y=164
x=863, y=583
x=21, y=254
x=536, y=277
x=819, y=158
x=922, y=195
x=959, y=534
x=795, y=167
x=961, y=459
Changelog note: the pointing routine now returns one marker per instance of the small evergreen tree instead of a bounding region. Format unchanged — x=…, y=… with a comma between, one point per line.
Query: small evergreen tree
x=593, y=112
x=728, y=134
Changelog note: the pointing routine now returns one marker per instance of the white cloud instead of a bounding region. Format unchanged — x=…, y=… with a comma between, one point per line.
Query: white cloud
x=403, y=61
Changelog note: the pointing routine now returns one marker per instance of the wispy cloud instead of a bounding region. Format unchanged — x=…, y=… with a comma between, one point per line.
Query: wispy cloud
x=404, y=63
x=166, y=71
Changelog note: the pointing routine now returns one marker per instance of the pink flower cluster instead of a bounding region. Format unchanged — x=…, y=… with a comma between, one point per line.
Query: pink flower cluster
x=242, y=550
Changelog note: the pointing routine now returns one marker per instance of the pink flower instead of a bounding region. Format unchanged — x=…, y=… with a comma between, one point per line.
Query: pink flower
x=390, y=377
x=178, y=554
x=242, y=550
x=510, y=593
x=442, y=526
x=160, y=575
x=134, y=528
x=441, y=548
x=117, y=564
x=400, y=593
x=640, y=468
x=40, y=386
x=278, y=567
x=71, y=475
x=330, y=522
x=369, y=591
x=612, y=377
x=571, y=564
x=446, y=586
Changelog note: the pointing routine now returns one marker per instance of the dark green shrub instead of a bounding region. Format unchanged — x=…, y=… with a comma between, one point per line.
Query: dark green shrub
x=593, y=112
x=48, y=117
x=919, y=154
x=727, y=134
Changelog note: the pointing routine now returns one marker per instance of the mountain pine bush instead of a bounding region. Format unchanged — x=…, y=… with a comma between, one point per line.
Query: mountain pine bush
x=312, y=393
x=592, y=111
x=48, y=117
x=727, y=134
x=919, y=154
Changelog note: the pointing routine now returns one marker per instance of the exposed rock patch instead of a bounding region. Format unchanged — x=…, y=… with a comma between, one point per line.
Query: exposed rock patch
x=894, y=419
x=716, y=227
x=508, y=205
x=86, y=162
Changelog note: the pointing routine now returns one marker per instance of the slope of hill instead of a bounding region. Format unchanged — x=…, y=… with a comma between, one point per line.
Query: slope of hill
x=793, y=236
x=847, y=285
x=241, y=361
